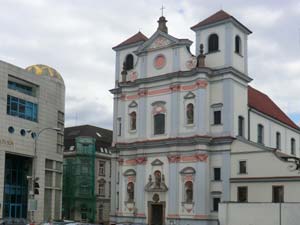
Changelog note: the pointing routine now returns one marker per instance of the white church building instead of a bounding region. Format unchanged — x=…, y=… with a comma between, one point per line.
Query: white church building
x=189, y=132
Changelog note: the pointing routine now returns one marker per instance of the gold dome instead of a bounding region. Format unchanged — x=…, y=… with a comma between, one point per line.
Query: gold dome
x=43, y=70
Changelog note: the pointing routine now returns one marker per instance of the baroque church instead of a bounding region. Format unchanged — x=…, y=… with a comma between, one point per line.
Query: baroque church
x=190, y=132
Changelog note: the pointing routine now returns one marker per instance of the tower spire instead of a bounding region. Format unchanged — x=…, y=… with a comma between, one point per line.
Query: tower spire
x=162, y=22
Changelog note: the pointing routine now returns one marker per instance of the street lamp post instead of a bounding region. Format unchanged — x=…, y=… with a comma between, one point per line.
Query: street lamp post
x=34, y=162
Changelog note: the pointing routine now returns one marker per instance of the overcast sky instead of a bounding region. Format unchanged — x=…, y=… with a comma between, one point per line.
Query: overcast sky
x=76, y=36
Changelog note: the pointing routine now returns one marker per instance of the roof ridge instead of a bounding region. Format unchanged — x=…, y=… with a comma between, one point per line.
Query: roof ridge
x=139, y=36
x=219, y=16
x=268, y=107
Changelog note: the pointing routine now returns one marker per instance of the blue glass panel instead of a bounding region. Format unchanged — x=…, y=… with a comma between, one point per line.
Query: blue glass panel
x=21, y=108
x=20, y=88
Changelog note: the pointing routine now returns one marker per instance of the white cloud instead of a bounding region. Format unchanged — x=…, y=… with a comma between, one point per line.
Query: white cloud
x=262, y=16
x=76, y=38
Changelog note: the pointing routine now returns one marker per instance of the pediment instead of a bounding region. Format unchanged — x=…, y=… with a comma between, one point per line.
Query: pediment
x=157, y=162
x=189, y=95
x=129, y=172
x=160, y=40
x=188, y=170
x=133, y=104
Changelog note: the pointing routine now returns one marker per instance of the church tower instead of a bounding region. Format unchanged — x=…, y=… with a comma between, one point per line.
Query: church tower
x=175, y=116
x=225, y=41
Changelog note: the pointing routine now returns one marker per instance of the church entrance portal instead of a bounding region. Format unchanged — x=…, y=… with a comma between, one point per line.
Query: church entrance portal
x=156, y=214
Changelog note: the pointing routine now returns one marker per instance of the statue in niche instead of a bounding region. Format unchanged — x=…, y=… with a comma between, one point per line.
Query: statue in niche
x=189, y=191
x=157, y=175
x=190, y=113
x=133, y=121
x=130, y=191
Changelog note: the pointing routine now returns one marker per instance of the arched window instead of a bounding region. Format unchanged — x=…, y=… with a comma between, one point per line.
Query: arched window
x=132, y=116
x=129, y=62
x=260, y=134
x=190, y=113
x=189, y=191
x=130, y=191
x=293, y=146
x=159, y=123
x=241, y=126
x=278, y=140
x=213, y=43
x=238, y=43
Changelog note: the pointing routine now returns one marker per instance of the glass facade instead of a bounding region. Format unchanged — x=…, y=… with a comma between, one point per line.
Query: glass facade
x=22, y=108
x=20, y=88
x=16, y=186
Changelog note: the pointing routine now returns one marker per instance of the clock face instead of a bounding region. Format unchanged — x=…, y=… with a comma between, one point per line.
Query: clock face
x=159, y=61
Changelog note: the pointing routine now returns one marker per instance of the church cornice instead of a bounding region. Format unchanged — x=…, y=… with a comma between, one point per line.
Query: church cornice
x=178, y=141
x=210, y=73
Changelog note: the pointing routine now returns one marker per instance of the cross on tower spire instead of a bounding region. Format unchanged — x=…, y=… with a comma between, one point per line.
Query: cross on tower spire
x=162, y=10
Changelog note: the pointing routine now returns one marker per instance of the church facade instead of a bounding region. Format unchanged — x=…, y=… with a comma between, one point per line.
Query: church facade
x=189, y=132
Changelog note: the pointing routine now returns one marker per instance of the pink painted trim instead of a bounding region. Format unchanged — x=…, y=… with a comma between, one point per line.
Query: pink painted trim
x=121, y=161
x=136, y=161
x=142, y=93
x=201, y=157
x=173, y=216
x=141, y=160
x=201, y=216
x=174, y=158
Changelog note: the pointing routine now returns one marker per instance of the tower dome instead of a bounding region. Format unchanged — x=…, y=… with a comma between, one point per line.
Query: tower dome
x=44, y=70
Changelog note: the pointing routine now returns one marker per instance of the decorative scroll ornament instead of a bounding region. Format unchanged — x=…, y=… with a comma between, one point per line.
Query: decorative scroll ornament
x=191, y=63
x=159, y=42
x=133, y=75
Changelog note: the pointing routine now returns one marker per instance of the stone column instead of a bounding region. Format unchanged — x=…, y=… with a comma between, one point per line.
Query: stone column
x=173, y=184
x=174, y=111
x=140, y=185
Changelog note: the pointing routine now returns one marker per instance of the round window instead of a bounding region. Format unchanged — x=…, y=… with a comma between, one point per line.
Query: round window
x=23, y=132
x=159, y=61
x=11, y=130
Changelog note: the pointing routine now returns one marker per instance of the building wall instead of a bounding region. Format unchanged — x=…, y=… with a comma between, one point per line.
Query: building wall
x=270, y=129
x=264, y=170
x=50, y=99
x=103, y=201
x=259, y=213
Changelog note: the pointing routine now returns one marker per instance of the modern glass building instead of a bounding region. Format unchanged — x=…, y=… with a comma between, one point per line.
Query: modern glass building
x=31, y=99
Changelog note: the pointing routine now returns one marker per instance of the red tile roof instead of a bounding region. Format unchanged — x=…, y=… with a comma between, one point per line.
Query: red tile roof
x=262, y=103
x=217, y=17
x=139, y=36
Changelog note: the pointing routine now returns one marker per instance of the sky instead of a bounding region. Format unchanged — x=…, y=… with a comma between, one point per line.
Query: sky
x=76, y=38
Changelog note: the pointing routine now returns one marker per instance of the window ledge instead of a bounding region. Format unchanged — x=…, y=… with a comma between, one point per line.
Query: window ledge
x=216, y=180
x=159, y=135
x=187, y=203
x=239, y=54
x=217, y=124
x=132, y=131
x=242, y=173
x=212, y=52
x=190, y=125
